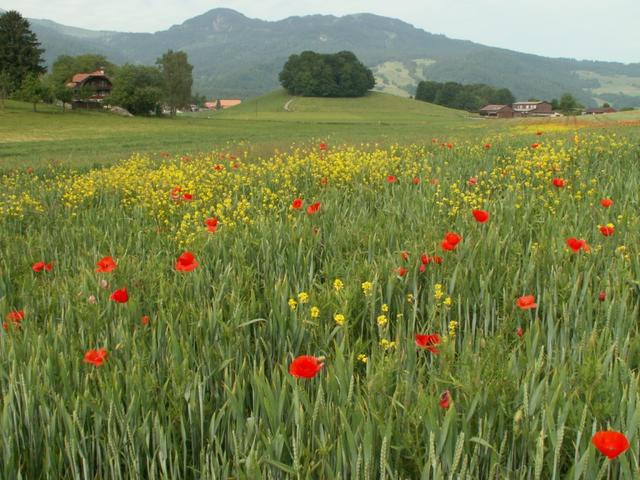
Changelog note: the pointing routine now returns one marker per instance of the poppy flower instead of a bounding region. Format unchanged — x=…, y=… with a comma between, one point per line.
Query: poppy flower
x=313, y=208
x=527, y=302
x=41, y=266
x=324, y=181
x=576, y=244
x=120, y=296
x=435, y=181
x=424, y=258
x=487, y=146
x=186, y=262
x=558, y=182
x=218, y=167
x=392, y=179
x=187, y=197
x=144, y=320
x=296, y=204
x=402, y=271
x=607, y=230
x=436, y=259
x=212, y=224
x=416, y=180
x=404, y=255
x=422, y=268
x=481, y=216
x=602, y=296
x=472, y=181
x=305, y=366
x=606, y=202
x=175, y=193
x=538, y=133
x=610, y=443
x=449, y=145
x=323, y=146
x=445, y=400
x=15, y=316
x=428, y=342
x=520, y=332
x=106, y=265
x=535, y=145
x=96, y=357
x=451, y=241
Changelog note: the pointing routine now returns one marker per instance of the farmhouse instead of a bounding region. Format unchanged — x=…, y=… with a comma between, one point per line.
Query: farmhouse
x=532, y=109
x=599, y=111
x=497, y=111
x=223, y=104
x=92, y=88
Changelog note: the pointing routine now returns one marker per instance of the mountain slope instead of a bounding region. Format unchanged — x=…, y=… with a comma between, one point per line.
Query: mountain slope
x=234, y=55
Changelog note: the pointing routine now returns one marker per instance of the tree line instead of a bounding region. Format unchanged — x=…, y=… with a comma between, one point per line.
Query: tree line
x=140, y=89
x=463, y=97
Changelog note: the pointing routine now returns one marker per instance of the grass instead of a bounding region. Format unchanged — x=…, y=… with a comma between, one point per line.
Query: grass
x=203, y=390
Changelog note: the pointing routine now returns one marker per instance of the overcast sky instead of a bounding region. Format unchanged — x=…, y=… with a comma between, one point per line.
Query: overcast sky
x=583, y=29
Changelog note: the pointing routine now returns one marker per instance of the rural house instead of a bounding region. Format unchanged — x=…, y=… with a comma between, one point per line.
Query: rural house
x=599, y=111
x=94, y=87
x=533, y=109
x=497, y=111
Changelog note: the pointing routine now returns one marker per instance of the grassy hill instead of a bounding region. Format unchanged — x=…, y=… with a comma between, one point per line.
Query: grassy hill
x=237, y=56
x=376, y=107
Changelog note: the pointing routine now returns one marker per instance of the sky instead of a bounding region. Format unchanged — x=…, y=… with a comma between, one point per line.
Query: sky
x=583, y=29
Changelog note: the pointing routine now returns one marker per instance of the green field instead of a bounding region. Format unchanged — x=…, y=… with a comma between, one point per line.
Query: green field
x=195, y=380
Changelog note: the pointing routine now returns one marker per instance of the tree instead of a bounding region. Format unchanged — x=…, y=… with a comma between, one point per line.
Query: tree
x=555, y=105
x=568, y=104
x=32, y=90
x=66, y=66
x=606, y=105
x=198, y=99
x=427, y=91
x=5, y=87
x=20, y=55
x=177, y=76
x=138, y=89
x=313, y=74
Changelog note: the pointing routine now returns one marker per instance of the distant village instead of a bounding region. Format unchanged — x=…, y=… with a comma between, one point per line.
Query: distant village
x=533, y=109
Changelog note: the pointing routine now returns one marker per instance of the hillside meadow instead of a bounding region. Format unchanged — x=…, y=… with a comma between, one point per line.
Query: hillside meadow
x=459, y=299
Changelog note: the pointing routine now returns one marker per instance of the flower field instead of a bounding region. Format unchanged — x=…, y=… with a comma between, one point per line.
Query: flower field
x=448, y=310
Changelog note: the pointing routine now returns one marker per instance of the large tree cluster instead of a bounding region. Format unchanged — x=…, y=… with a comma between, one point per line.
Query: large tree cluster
x=313, y=74
x=463, y=97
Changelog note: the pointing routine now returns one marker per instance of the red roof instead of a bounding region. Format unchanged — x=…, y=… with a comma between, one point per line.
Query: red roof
x=79, y=78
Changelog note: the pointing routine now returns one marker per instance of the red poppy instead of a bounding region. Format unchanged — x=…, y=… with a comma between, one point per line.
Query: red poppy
x=487, y=146
x=436, y=259
x=416, y=180
x=606, y=202
x=186, y=262
x=212, y=224
x=435, y=181
x=305, y=366
x=187, y=197
x=602, y=296
x=449, y=145
x=296, y=204
x=175, y=193
x=558, y=182
x=218, y=167
x=520, y=332
x=610, y=443
x=424, y=258
x=144, y=320
x=404, y=255
x=538, y=133
x=451, y=241
x=402, y=271
x=429, y=342
x=120, y=296
x=481, y=215
x=15, y=316
x=535, y=145
x=472, y=181
x=527, y=302
x=96, y=357
x=392, y=179
x=445, y=400
x=323, y=146
x=576, y=244
x=423, y=268
x=41, y=266
x=313, y=208
x=324, y=181
x=607, y=230
x=106, y=265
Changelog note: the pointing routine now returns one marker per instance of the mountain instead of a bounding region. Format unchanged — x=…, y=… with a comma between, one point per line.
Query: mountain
x=237, y=56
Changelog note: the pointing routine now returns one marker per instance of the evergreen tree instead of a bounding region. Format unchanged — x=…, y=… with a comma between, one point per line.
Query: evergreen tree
x=5, y=87
x=177, y=75
x=20, y=54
